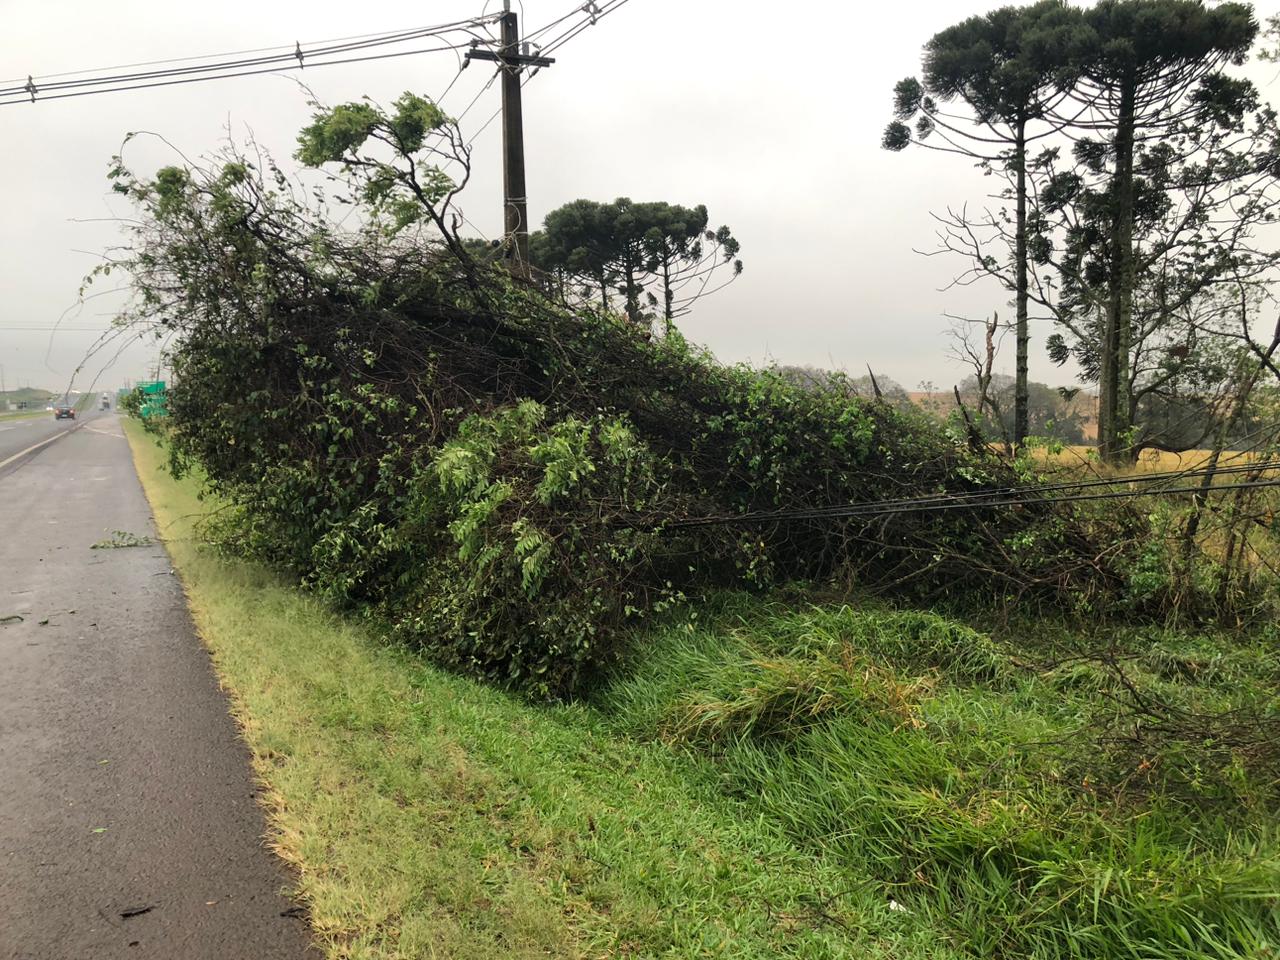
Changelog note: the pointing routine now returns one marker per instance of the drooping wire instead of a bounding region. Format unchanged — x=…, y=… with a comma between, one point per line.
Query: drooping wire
x=988, y=499
x=323, y=56
x=19, y=82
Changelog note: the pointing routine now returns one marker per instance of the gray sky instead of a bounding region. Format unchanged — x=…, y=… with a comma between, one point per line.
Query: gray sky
x=770, y=114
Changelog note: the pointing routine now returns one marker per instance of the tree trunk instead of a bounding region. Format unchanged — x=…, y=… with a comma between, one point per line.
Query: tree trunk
x=1114, y=417
x=1199, y=501
x=667, y=296
x=633, y=292
x=1021, y=391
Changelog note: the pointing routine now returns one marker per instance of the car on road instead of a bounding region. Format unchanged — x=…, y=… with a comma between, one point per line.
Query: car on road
x=64, y=411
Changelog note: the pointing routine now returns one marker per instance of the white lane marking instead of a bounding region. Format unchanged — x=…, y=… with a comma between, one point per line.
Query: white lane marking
x=33, y=447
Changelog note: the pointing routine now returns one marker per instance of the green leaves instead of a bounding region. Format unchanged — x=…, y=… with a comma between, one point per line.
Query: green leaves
x=334, y=134
x=378, y=150
x=413, y=118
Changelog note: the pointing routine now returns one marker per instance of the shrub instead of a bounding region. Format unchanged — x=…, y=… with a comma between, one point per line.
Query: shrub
x=532, y=578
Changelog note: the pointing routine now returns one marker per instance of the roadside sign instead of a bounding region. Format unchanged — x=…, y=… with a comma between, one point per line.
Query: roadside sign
x=153, y=399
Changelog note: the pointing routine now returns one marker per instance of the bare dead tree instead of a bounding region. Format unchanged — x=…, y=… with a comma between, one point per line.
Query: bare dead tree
x=980, y=357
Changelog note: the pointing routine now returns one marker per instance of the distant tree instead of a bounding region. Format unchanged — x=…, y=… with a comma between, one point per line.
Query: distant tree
x=1151, y=74
x=576, y=243
x=811, y=378
x=627, y=247
x=684, y=255
x=1010, y=67
x=980, y=389
x=1161, y=198
x=1050, y=415
x=881, y=386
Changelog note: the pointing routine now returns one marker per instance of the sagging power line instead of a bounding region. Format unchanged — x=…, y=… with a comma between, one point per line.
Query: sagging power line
x=215, y=67
x=996, y=498
x=512, y=54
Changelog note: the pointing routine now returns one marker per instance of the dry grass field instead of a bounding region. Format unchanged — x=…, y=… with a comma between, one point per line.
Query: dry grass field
x=1150, y=461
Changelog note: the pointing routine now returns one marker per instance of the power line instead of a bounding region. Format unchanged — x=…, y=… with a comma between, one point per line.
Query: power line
x=455, y=79
x=298, y=59
x=560, y=41
x=530, y=37
x=467, y=109
x=220, y=61
x=591, y=21
x=19, y=81
x=243, y=73
x=983, y=499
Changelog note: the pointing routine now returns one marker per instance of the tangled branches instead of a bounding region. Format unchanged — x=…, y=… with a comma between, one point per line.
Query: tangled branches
x=420, y=435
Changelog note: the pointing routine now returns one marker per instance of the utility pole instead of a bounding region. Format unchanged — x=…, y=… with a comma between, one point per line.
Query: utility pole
x=514, y=200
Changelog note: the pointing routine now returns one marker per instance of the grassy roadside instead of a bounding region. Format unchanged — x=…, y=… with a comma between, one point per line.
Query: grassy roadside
x=430, y=816
x=772, y=780
x=23, y=415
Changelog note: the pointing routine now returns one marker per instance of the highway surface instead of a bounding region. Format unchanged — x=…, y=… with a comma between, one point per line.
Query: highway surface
x=18, y=434
x=129, y=826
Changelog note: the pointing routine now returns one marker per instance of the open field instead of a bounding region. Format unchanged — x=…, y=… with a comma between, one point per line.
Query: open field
x=768, y=779
x=1151, y=461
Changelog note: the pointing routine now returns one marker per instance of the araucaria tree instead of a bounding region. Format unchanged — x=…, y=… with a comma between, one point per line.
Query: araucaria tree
x=1154, y=173
x=1152, y=69
x=1009, y=68
x=631, y=248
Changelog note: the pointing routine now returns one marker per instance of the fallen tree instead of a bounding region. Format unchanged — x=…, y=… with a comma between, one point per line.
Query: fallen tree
x=502, y=478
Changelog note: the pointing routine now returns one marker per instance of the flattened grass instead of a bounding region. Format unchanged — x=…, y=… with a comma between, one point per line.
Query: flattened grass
x=979, y=792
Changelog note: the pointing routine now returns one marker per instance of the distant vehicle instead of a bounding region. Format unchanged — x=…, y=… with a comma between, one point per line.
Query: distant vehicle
x=106, y=402
x=64, y=411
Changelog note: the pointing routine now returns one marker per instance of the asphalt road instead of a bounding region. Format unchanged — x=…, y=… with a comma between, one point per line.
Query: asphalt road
x=17, y=435
x=128, y=823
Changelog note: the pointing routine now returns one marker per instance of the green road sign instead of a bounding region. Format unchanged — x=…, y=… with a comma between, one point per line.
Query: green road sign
x=154, y=399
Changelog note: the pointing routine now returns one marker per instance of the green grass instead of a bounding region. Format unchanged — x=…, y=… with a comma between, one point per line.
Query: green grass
x=23, y=414
x=432, y=816
x=914, y=751
x=765, y=780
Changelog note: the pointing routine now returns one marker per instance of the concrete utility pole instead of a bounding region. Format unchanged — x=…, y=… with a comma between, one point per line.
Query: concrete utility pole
x=514, y=200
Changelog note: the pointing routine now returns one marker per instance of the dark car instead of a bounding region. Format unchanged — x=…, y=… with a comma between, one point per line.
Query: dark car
x=64, y=411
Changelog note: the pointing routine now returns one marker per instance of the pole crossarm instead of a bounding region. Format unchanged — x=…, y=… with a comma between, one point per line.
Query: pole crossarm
x=510, y=59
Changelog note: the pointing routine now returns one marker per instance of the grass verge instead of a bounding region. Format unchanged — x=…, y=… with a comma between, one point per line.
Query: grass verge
x=430, y=816
x=767, y=780
x=23, y=415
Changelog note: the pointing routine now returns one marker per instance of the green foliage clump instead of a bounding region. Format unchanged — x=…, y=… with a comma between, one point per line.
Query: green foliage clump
x=531, y=581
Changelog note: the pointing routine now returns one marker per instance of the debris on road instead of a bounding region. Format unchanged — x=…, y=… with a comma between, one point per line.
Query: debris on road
x=121, y=539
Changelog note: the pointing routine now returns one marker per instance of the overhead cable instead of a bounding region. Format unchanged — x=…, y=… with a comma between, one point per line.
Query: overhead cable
x=297, y=58
x=993, y=498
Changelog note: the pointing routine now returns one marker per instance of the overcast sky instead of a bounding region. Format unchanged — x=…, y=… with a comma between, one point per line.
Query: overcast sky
x=768, y=113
